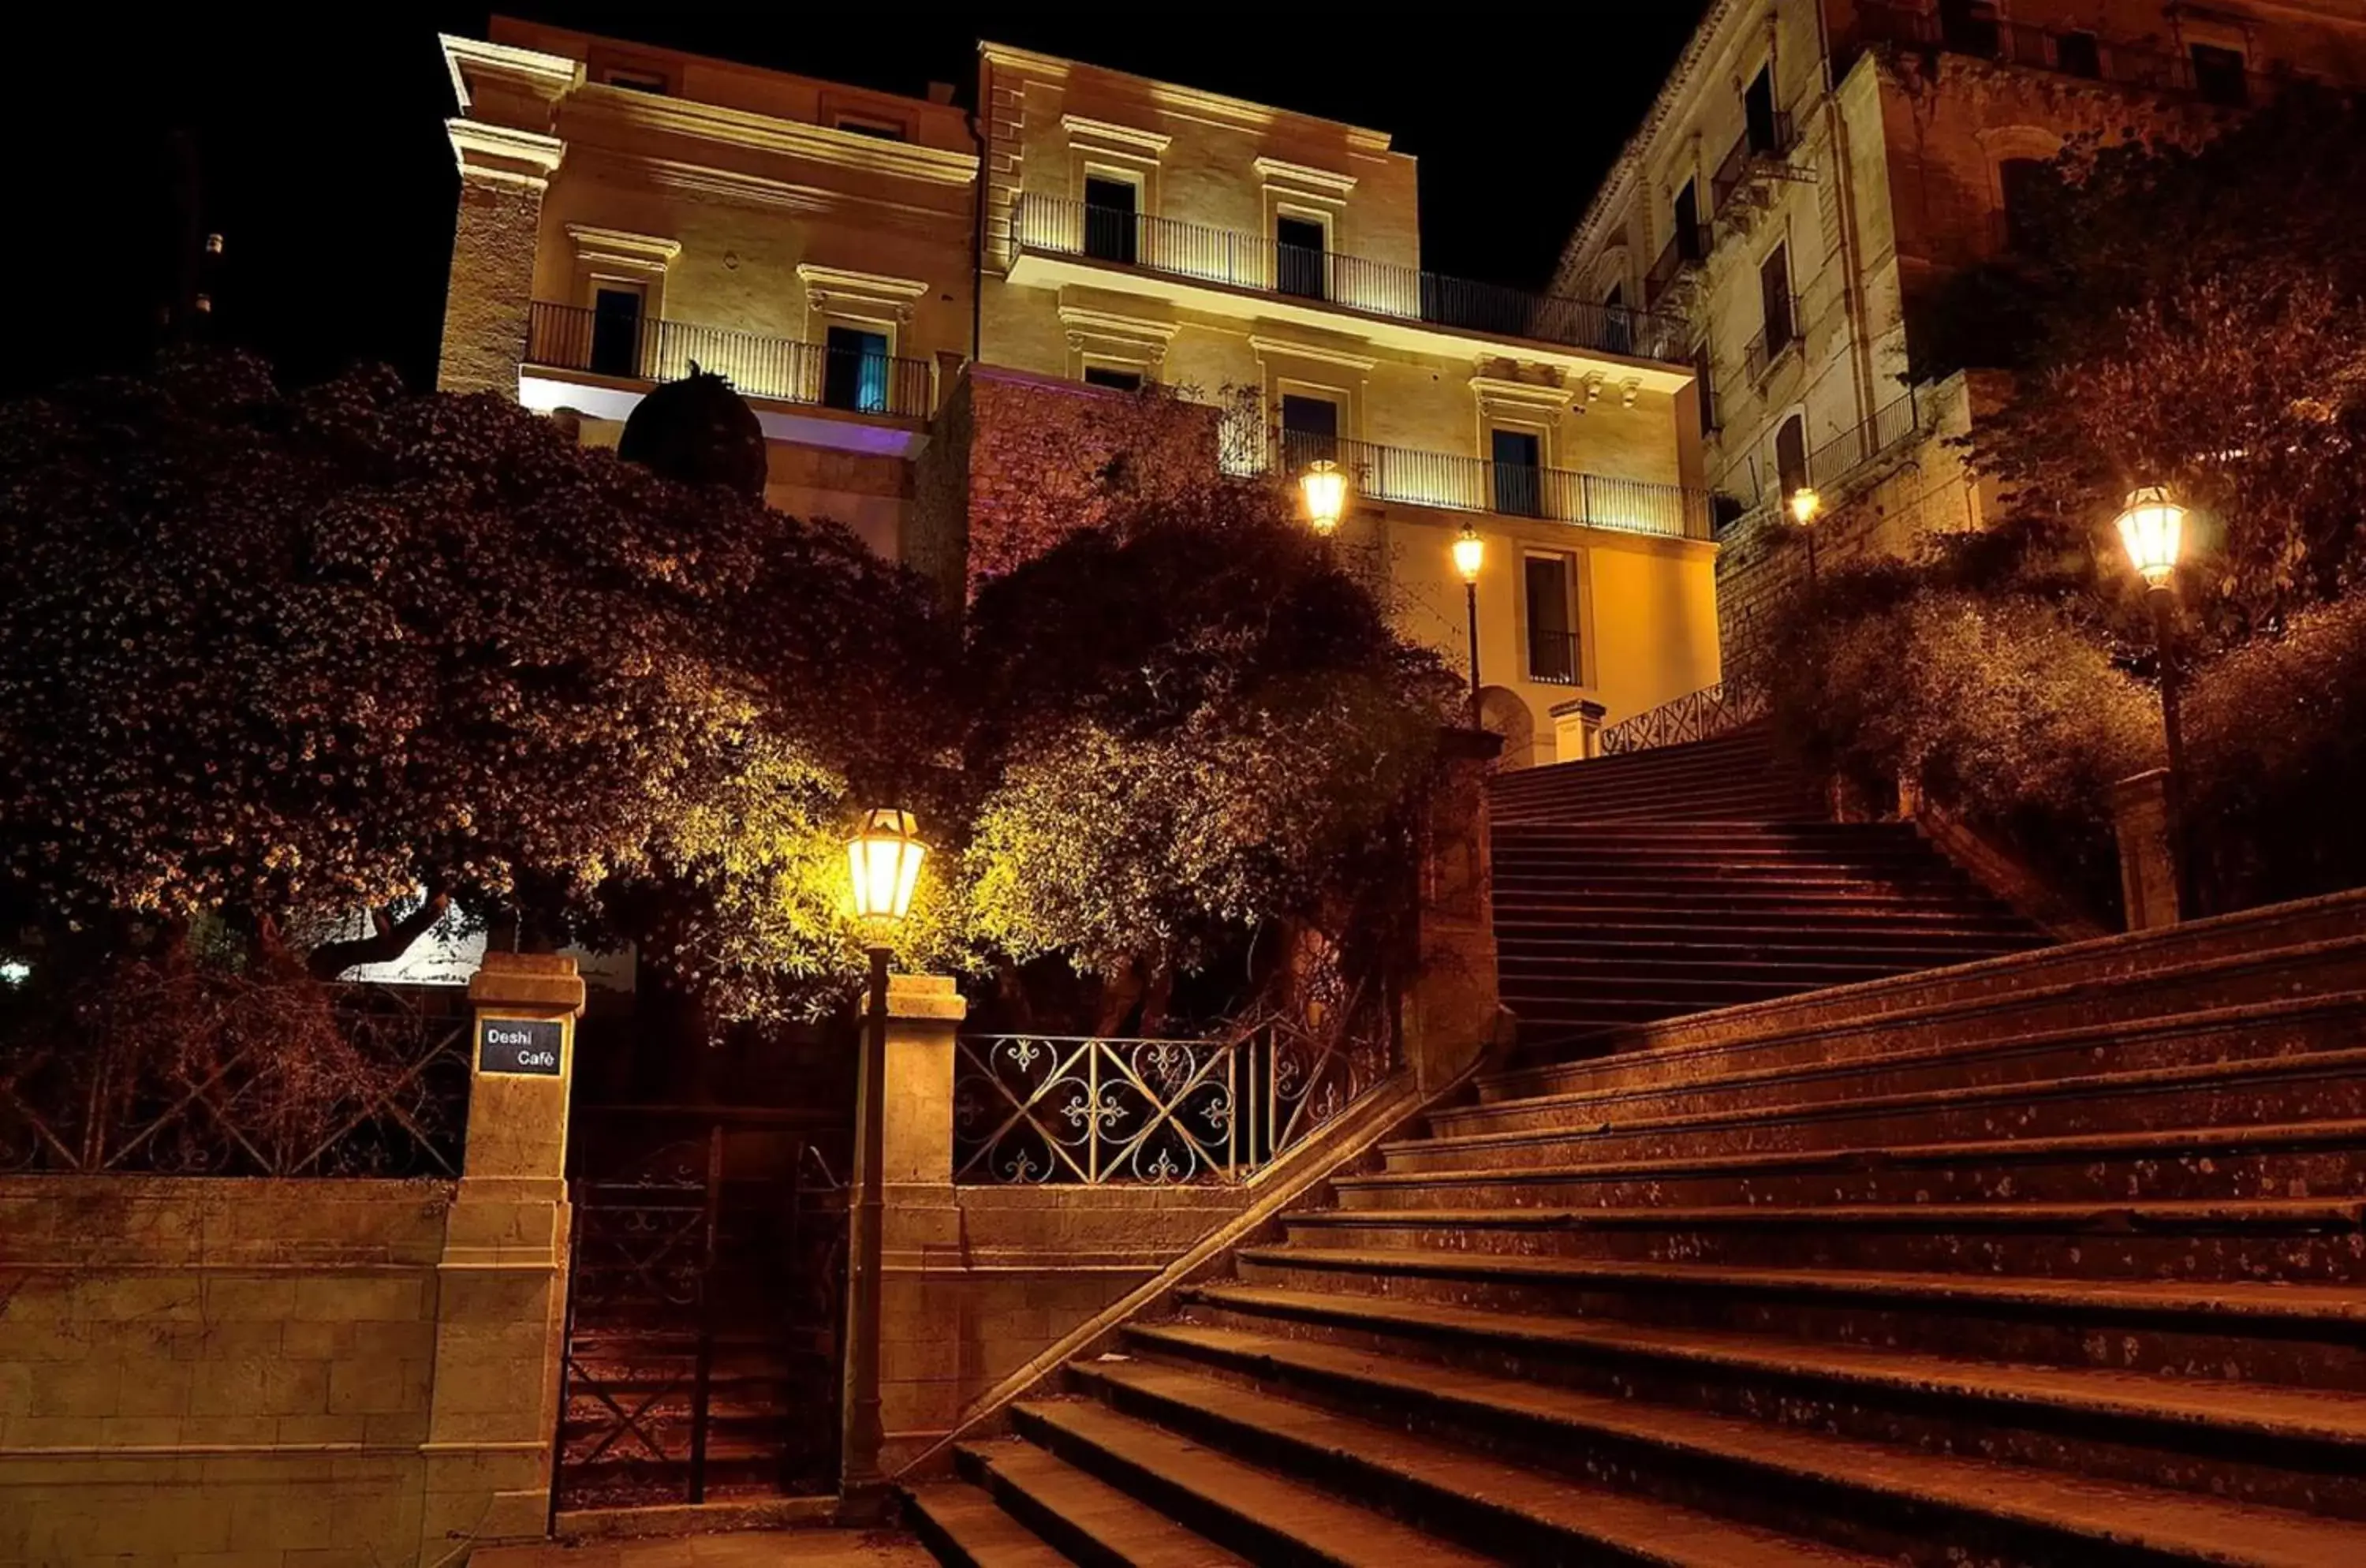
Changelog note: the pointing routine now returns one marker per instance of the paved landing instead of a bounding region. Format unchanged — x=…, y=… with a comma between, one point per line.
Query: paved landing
x=744, y=1548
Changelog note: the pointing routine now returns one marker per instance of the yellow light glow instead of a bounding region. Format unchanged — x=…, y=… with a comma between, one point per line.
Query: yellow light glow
x=1469, y=553
x=884, y=861
x=1325, y=489
x=2153, y=528
x=1806, y=505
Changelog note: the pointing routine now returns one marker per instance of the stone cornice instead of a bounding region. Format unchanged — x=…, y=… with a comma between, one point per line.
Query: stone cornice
x=825, y=286
x=762, y=133
x=615, y=245
x=1499, y=392
x=1147, y=144
x=1109, y=325
x=496, y=154
x=1300, y=179
x=1267, y=347
x=1172, y=96
x=547, y=76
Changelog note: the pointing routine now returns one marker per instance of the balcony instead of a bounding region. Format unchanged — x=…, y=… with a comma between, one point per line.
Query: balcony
x=1474, y=484
x=2215, y=77
x=1779, y=338
x=1835, y=466
x=1682, y=259
x=1761, y=157
x=574, y=337
x=1230, y=259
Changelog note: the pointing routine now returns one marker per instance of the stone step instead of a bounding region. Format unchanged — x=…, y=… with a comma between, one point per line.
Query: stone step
x=1692, y=991
x=1086, y=1518
x=1514, y=1514
x=2317, y=1086
x=2314, y=1335
x=1716, y=757
x=1975, y=1001
x=2291, y=1161
x=1516, y=893
x=967, y=1529
x=1870, y=1497
x=1703, y=800
x=1243, y=1507
x=2258, y=1032
x=2297, y=1448
x=2311, y=1240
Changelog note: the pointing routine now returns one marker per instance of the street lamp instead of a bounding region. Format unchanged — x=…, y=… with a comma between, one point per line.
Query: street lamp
x=1323, y=485
x=1805, y=507
x=884, y=861
x=2152, y=526
x=1470, y=555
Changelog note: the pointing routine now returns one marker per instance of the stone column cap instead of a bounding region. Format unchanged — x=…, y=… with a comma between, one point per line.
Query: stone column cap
x=545, y=982
x=925, y=997
x=1585, y=707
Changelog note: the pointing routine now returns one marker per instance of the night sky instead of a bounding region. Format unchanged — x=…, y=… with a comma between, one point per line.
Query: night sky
x=323, y=159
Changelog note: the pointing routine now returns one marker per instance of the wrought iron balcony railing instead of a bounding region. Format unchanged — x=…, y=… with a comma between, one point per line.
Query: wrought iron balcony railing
x=1513, y=489
x=1686, y=249
x=573, y=337
x=1761, y=150
x=1778, y=337
x=1831, y=465
x=2214, y=77
x=1058, y=226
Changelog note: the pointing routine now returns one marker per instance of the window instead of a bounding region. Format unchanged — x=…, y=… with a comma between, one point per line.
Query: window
x=864, y=125
x=1299, y=245
x=1552, y=623
x=1774, y=301
x=2021, y=182
x=2219, y=75
x=638, y=79
x=1969, y=26
x=1112, y=377
x=616, y=330
x=1791, y=458
x=1689, y=246
x=1110, y=221
x=2078, y=54
x=1761, y=129
x=1519, y=472
x=855, y=372
x=1310, y=430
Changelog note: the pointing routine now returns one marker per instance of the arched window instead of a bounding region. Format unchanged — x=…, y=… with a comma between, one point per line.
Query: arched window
x=1791, y=456
x=2021, y=183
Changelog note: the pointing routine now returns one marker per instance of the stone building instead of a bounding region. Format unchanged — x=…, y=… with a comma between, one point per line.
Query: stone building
x=1813, y=169
x=897, y=287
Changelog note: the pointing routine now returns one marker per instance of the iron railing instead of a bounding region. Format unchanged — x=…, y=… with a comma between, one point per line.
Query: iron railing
x=1060, y=226
x=1703, y=715
x=2070, y=52
x=1831, y=465
x=1779, y=337
x=1752, y=156
x=1552, y=657
x=1073, y=1110
x=575, y=337
x=395, y=1105
x=1476, y=484
x=1685, y=251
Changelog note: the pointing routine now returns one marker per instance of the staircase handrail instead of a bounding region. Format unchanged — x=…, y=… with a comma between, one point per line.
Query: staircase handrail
x=1702, y=714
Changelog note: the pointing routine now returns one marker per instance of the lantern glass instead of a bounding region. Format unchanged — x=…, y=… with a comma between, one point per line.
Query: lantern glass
x=1470, y=554
x=2152, y=526
x=884, y=862
x=1324, y=487
x=1805, y=505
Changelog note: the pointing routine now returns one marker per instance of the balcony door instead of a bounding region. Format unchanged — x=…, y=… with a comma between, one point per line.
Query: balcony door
x=1520, y=463
x=1552, y=621
x=1758, y=113
x=1774, y=301
x=1300, y=260
x=1112, y=224
x=1688, y=224
x=854, y=370
x=1310, y=430
x=616, y=332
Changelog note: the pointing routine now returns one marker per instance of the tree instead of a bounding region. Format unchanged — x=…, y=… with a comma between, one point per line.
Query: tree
x=274, y=654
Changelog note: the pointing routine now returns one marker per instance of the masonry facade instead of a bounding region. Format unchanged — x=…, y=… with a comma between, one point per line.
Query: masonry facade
x=1811, y=172
x=893, y=287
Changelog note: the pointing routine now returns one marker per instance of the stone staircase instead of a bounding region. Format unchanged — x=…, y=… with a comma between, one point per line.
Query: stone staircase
x=1670, y=881
x=2054, y=1258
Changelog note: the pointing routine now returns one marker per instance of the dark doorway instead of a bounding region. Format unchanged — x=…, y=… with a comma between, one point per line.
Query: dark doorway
x=2219, y=75
x=855, y=376
x=1762, y=127
x=1775, y=301
x=1310, y=430
x=1301, y=261
x=1553, y=630
x=1112, y=224
x=1688, y=224
x=1519, y=472
x=616, y=332
x=1791, y=458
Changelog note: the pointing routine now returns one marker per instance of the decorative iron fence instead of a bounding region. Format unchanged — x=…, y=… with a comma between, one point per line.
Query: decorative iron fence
x=1697, y=716
x=573, y=337
x=1048, y=1109
x=1061, y=226
x=1475, y=484
x=392, y=1102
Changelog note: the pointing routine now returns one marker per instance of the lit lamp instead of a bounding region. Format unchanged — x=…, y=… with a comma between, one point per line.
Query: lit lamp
x=884, y=862
x=2152, y=526
x=1805, y=507
x=1470, y=555
x=1323, y=485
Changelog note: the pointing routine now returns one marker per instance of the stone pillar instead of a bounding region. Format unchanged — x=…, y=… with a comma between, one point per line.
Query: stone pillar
x=2140, y=813
x=489, y=302
x=920, y=1345
x=1452, y=1011
x=502, y=1284
x=1577, y=730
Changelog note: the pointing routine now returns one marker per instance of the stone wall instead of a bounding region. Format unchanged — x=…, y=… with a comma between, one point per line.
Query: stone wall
x=233, y=1373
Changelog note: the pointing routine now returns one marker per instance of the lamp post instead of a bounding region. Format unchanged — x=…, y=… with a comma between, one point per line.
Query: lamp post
x=1805, y=507
x=883, y=859
x=1324, y=487
x=2152, y=528
x=1470, y=555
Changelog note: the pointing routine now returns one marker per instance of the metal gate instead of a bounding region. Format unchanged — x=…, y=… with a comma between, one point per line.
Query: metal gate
x=705, y=1294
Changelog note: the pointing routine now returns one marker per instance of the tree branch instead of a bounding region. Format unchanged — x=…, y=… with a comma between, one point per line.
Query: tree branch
x=388, y=940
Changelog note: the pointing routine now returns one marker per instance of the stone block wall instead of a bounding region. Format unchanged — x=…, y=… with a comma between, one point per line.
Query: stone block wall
x=215, y=1374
